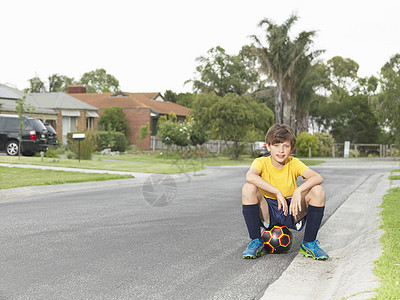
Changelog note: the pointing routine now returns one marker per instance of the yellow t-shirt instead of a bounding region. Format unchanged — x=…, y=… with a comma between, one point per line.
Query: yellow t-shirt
x=283, y=179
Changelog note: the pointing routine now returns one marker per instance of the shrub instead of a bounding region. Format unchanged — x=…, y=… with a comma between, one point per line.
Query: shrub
x=325, y=143
x=87, y=146
x=304, y=141
x=111, y=139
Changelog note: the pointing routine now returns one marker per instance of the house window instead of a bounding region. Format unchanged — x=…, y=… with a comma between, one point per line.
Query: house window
x=89, y=122
x=68, y=125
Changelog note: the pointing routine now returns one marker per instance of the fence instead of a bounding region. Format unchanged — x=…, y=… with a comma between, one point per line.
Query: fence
x=212, y=146
x=356, y=150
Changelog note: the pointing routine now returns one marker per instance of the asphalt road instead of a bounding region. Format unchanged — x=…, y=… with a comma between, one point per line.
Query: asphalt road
x=116, y=243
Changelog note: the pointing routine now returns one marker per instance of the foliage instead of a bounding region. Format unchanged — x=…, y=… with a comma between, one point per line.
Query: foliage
x=59, y=83
x=342, y=73
x=114, y=118
x=22, y=107
x=185, y=99
x=99, y=81
x=279, y=59
x=304, y=142
x=222, y=73
x=351, y=119
x=144, y=131
x=233, y=116
x=36, y=85
x=111, y=139
x=388, y=101
x=172, y=132
x=325, y=143
x=170, y=96
x=87, y=146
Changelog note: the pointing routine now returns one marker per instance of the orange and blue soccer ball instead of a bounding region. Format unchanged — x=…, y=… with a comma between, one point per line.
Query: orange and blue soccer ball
x=277, y=239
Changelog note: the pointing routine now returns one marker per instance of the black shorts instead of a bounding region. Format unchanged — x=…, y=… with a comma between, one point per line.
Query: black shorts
x=277, y=217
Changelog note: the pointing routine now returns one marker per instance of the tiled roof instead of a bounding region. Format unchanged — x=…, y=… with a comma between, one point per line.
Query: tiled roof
x=133, y=100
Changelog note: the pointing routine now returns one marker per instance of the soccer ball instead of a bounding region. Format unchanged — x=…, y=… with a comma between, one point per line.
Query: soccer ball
x=277, y=239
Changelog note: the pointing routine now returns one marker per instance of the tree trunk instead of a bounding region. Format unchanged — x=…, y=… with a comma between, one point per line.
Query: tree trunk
x=293, y=113
x=302, y=122
x=287, y=107
x=278, y=103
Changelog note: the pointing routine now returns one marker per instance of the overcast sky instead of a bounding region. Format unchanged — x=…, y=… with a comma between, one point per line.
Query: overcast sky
x=151, y=46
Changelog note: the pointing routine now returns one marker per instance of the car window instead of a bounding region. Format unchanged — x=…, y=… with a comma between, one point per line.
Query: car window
x=37, y=125
x=12, y=124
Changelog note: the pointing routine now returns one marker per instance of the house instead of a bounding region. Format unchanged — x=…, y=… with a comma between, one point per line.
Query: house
x=140, y=109
x=64, y=112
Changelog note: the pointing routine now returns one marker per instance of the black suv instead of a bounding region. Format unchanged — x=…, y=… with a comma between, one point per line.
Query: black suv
x=34, y=135
x=52, y=135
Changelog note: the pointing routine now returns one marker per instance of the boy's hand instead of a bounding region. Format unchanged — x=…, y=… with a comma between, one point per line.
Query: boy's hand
x=295, y=204
x=282, y=203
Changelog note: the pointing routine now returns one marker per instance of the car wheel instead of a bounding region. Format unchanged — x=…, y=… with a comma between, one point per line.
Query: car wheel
x=12, y=148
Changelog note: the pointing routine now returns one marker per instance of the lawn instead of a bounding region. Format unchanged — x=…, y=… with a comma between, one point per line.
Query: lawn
x=17, y=177
x=387, y=267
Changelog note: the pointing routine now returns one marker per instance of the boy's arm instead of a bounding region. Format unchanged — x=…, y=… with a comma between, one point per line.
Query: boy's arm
x=313, y=179
x=253, y=177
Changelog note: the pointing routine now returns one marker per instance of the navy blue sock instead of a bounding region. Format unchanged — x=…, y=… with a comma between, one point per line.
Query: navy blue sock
x=251, y=214
x=314, y=218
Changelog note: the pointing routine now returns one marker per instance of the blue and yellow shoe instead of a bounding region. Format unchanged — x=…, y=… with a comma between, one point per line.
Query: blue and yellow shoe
x=255, y=249
x=312, y=250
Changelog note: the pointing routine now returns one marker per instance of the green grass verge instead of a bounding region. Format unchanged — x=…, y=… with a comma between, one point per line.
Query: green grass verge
x=17, y=177
x=387, y=267
x=148, y=163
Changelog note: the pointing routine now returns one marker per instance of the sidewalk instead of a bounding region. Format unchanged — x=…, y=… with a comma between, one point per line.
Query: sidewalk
x=351, y=238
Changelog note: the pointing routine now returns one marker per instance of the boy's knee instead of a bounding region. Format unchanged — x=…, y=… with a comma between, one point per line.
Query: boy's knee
x=317, y=195
x=249, y=191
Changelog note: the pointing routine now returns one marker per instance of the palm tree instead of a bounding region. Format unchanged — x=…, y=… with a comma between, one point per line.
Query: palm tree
x=278, y=60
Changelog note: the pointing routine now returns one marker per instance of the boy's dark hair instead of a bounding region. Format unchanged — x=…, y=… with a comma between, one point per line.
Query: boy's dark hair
x=278, y=133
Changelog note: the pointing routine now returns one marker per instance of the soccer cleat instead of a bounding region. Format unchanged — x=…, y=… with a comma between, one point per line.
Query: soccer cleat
x=254, y=250
x=312, y=250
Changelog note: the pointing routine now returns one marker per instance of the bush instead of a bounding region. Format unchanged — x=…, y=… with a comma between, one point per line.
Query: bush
x=304, y=141
x=325, y=143
x=111, y=139
x=87, y=146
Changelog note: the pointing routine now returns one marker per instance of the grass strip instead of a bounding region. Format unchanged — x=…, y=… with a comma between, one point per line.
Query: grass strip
x=17, y=177
x=387, y=266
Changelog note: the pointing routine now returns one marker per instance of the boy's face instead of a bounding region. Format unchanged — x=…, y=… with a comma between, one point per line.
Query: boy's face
x=279, y=152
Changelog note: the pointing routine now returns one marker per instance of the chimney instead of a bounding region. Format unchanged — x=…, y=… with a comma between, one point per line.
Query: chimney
x=76, y=89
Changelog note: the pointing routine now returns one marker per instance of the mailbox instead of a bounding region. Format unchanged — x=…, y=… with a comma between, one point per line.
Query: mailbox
x=78, y=136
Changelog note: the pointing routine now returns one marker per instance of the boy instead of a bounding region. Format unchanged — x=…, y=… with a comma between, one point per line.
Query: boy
x=270, y=194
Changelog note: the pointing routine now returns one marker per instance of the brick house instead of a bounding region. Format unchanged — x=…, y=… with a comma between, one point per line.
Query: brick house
x=62, y=111
x=140, y=109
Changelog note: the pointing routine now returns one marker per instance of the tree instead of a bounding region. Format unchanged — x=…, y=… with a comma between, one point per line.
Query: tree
x=222, y=73
x=352, y=119
x=114, y=118
x=231, y=117
x=22, y=107
x=170, y=96
x=388, y=100
x=343, y=75
x=185, y=99
x=99, y=81
x=278, y=60
x=36, y=85
x=59, y=83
